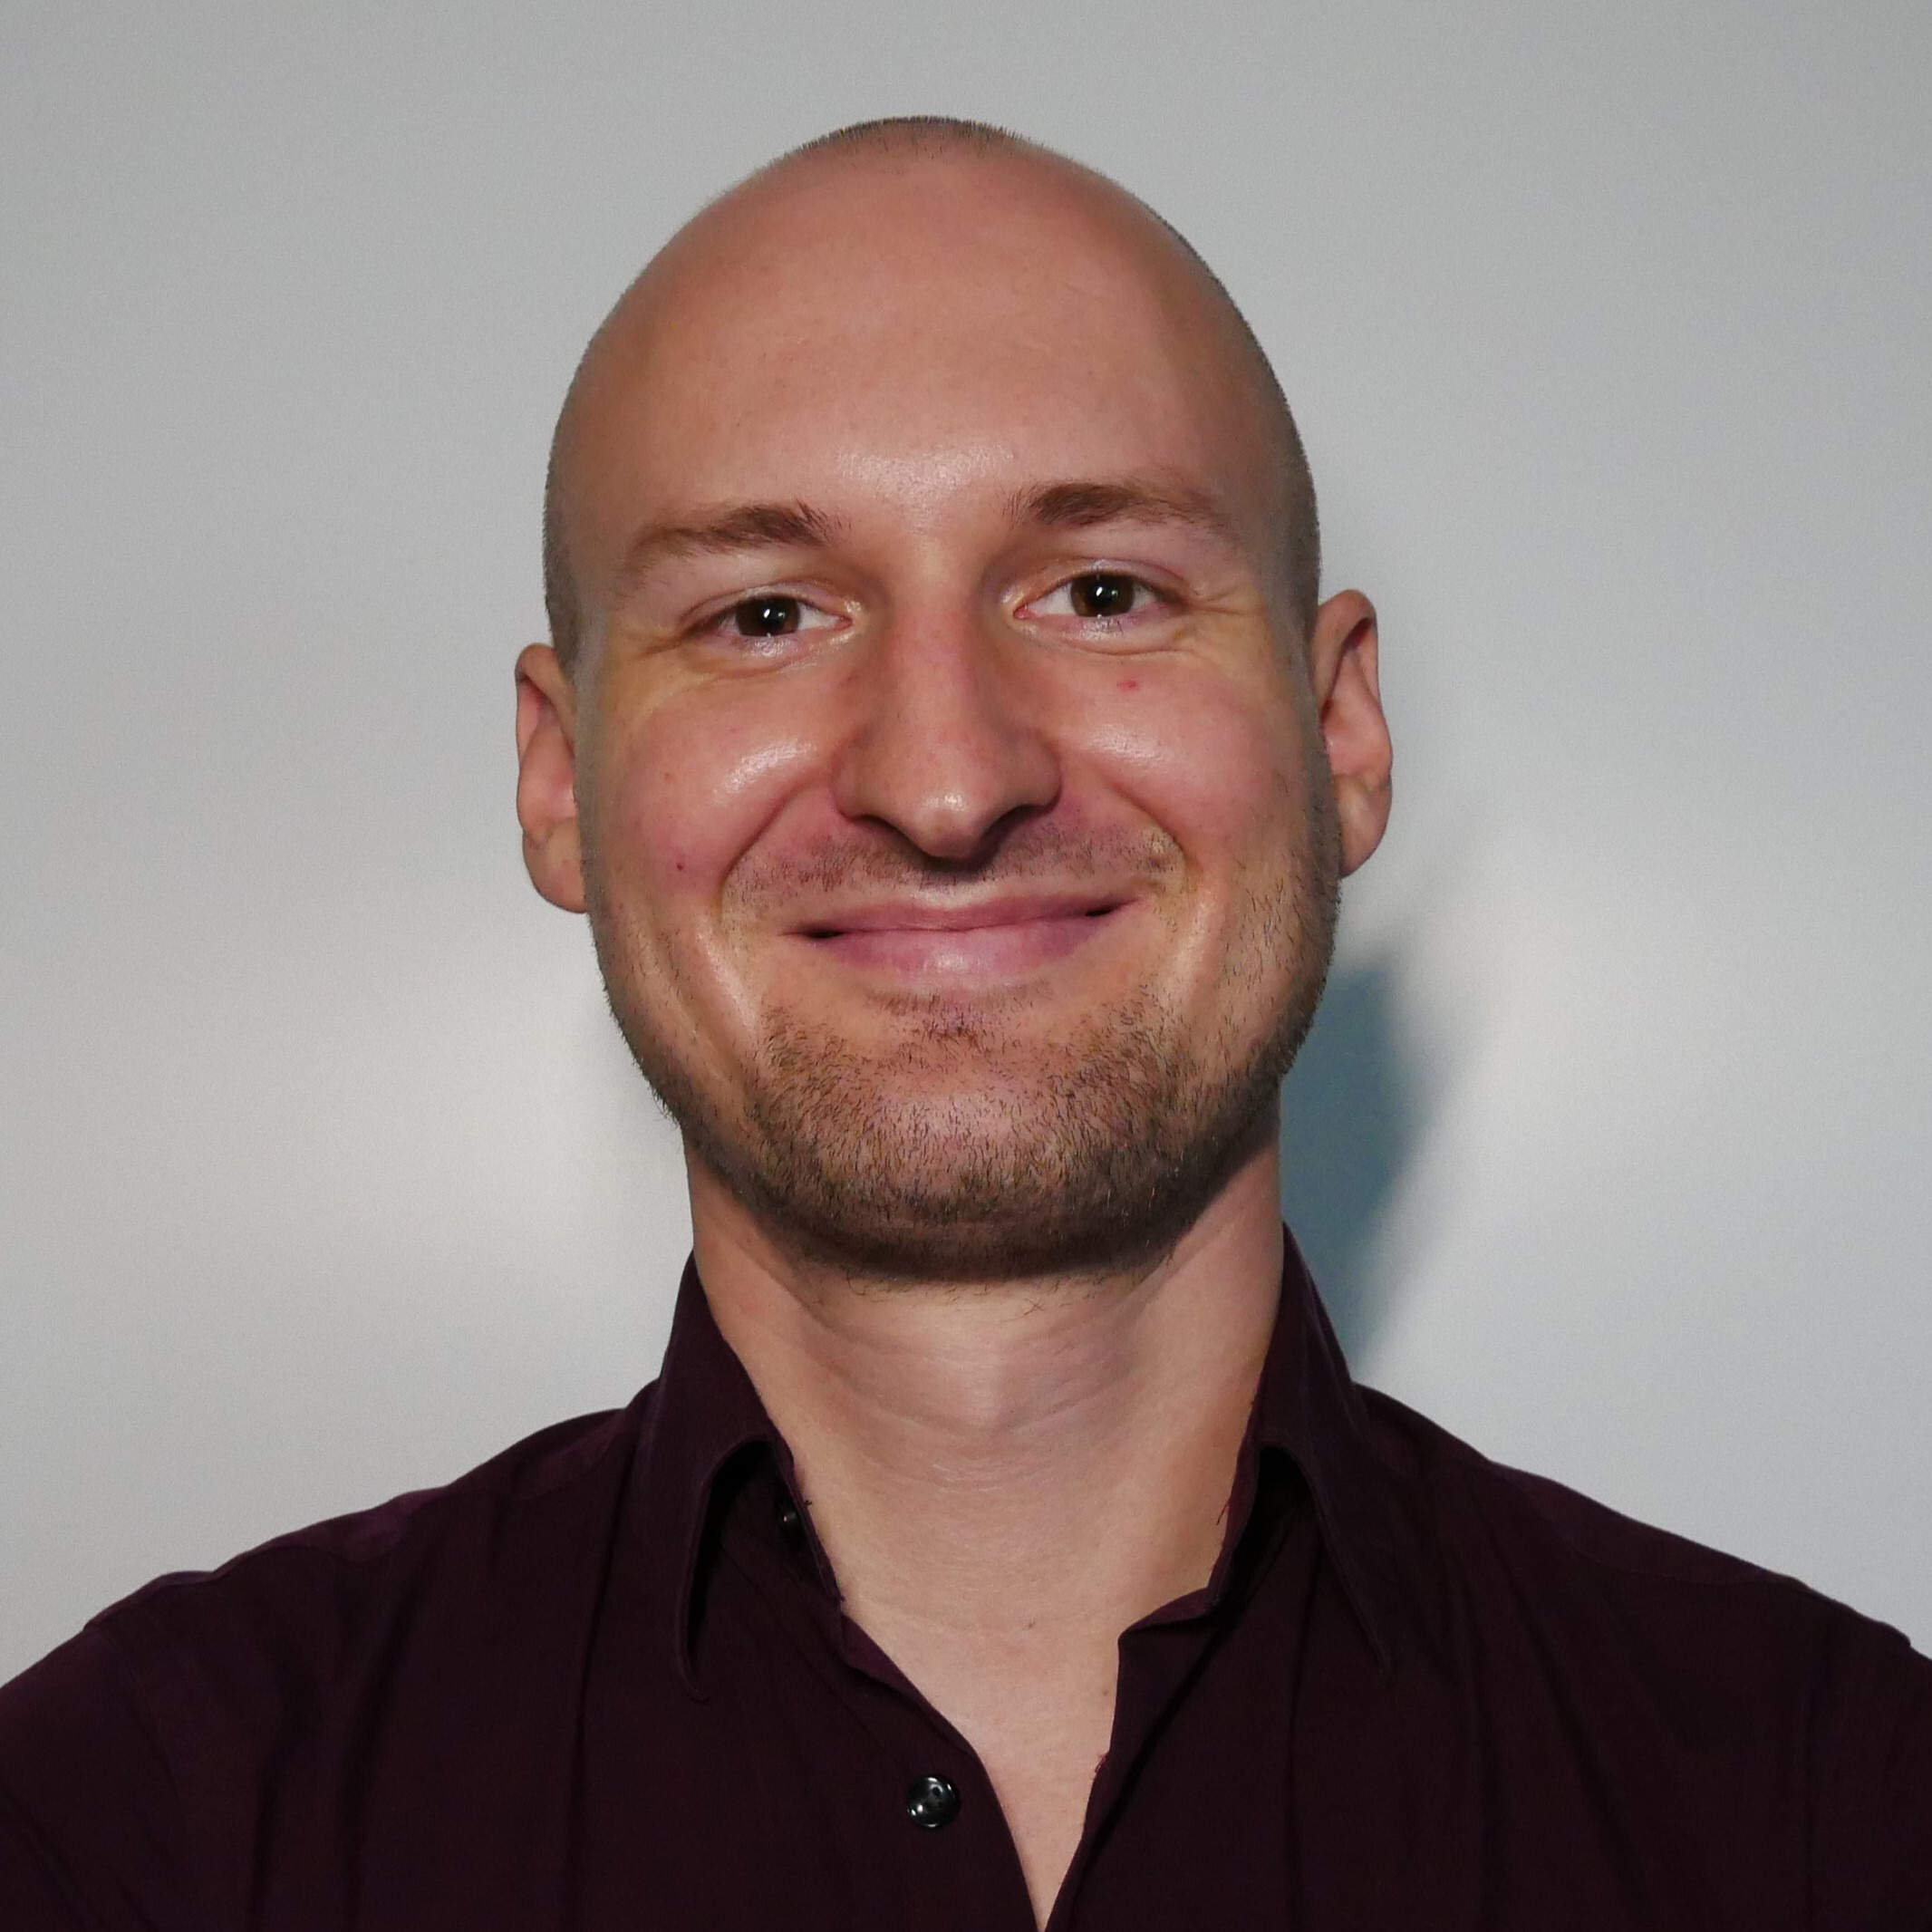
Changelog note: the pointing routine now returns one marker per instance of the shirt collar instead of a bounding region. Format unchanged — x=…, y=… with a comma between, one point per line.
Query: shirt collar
x=705, y=1412
x=1308, y=1405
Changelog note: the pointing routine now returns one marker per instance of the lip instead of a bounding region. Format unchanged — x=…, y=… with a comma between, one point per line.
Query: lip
x=975, y=940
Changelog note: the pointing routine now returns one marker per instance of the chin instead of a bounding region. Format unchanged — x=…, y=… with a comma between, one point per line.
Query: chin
x=1084, y=1156
x=968, y=1142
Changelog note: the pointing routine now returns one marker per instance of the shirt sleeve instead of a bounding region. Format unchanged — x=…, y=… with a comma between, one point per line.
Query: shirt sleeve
x=1875, y=1818
x=90, y=1826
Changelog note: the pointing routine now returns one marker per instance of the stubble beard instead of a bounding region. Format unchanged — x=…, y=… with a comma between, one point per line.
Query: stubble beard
x=971, y=1150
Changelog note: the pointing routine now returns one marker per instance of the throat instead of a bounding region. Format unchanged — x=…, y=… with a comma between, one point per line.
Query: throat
x=1000, y=1585
x=1005, y=1478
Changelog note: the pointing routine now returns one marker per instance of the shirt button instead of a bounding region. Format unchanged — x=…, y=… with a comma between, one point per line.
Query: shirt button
x=931, y=1801
x=790, y=1520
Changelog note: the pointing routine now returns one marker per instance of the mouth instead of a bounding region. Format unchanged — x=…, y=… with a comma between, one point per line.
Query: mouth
x=990, y=939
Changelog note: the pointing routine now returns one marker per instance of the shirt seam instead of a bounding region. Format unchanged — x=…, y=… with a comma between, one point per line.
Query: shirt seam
x=1833, y=1767
x=53, y=1867
x=132, y=1674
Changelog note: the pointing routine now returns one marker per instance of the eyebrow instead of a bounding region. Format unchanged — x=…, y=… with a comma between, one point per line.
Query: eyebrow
x=1079, y=506
x=1071, y=506
x=742, y=526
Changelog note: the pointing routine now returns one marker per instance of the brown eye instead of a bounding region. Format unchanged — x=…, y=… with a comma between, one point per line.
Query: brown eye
x=1102, y=594
x=767, y=616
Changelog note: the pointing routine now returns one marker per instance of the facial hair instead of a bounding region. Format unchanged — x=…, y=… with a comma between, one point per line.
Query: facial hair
x=971, y=1149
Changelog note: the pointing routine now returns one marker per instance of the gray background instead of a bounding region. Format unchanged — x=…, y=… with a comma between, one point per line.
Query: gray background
x=323, y=1174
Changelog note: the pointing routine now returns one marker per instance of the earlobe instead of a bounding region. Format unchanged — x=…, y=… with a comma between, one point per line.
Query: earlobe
x=547, y=778
x=1344, y=668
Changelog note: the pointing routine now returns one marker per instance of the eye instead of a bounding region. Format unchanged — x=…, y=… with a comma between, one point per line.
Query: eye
x=1096, y=596
x=771, y=614
x=1103, y=594
x=767, y=616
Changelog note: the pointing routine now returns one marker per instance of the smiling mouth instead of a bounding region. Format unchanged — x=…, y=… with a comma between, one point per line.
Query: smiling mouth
x=993, y=940
x=937, y=919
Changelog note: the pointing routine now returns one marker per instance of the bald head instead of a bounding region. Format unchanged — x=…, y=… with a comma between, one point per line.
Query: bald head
x=913, y=236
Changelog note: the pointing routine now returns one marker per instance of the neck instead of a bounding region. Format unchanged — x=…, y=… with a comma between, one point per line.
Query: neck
x=1008, y=1413
x=1006, y=1476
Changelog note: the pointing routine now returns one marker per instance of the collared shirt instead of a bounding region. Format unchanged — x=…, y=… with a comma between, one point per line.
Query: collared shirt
x=604, y=1684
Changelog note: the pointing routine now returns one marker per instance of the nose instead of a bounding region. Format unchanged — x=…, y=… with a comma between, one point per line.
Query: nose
x=947, y=744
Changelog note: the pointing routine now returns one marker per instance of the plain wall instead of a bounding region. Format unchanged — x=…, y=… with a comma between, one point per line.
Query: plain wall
x=322, y=1171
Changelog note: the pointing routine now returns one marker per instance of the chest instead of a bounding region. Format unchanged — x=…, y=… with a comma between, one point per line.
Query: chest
x=1269, y=1776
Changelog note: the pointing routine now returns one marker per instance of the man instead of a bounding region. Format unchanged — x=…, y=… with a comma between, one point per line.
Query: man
x=942, y=733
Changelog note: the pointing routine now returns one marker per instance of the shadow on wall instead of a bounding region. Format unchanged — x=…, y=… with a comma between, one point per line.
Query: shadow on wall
x=1351, y=1119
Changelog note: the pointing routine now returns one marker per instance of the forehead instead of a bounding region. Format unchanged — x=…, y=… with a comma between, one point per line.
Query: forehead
x=902, y=337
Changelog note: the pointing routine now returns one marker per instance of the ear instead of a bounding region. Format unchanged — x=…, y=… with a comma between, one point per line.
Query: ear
x=547, y=778
x=1343, y=670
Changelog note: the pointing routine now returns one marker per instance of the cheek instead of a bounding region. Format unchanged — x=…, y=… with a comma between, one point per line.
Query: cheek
x=686, y=789
x=1218, y=765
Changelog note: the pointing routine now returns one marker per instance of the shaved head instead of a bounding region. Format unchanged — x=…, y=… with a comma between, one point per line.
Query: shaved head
x=802, y=191
x=941, y=731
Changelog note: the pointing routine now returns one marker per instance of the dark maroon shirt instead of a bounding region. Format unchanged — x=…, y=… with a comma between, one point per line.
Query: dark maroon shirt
x=604, y=1682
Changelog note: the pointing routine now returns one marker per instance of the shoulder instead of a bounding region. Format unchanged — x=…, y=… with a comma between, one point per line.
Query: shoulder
x=180, y=1697
x=1707, y=1672
x=1486, y=1523
x=464, y=1559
